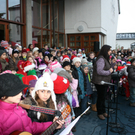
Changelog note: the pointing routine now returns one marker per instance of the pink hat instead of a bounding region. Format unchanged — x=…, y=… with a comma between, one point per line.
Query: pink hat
x=61, y=84
x=54, y=65
x=4, y=44
x=65, y=57
x=7, y=71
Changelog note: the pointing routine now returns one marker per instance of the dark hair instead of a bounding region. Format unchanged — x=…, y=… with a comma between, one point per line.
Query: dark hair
x=132, y=60
x=62, y=98
x=104, y=52
x=50, y=104
x=29, y=46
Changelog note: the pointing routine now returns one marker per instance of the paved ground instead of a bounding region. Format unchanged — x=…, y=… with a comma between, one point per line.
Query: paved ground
x=91, y=125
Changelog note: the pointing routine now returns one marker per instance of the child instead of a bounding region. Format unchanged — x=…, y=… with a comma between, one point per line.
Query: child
x=24, y=55
x=13, y=117
x=78, y=73
x=3, y=62
x=88, y=88
x=37, y=58
x=43, y=96
x=61, y=99
x=91, y=57
x=83, y=53
x=29, y=68
x=131, y=81
x=58, y=55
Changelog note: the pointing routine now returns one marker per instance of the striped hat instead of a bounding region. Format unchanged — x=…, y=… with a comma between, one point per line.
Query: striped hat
x=4, y=44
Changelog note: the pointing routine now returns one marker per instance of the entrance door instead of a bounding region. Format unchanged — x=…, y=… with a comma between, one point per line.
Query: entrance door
x=4, y=33
x=86, y=41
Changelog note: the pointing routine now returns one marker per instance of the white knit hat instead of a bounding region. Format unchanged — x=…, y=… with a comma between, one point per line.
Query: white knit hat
x=35, y=49
x=76, y=59
x=45, y=83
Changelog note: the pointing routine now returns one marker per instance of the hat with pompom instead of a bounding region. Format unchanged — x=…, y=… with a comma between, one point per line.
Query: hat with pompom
x=42, y=66
x=61, y=84
x=45, y=83
x=28, y=66
x=54, y=65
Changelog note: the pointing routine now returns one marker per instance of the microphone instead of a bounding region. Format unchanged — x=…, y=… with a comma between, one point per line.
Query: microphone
x=106, y=83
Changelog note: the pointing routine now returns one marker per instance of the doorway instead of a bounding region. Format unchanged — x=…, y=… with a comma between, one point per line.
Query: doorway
x=84, y=40
x=4, y=32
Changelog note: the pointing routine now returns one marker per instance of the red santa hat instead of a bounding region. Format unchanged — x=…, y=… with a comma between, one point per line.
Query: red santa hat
x=65, y=57
x=128, y=63
x=28, y=66
x=27, y=79
x=72, y=57
x=61, y=84
x=120, y=67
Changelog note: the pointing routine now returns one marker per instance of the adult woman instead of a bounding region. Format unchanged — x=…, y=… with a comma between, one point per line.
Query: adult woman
x=102, y=72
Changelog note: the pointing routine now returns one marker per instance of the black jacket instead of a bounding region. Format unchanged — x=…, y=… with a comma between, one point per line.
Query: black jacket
x=75, y=76
x=131, y=75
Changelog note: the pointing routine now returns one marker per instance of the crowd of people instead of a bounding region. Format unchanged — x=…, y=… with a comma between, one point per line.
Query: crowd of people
x=56, y=77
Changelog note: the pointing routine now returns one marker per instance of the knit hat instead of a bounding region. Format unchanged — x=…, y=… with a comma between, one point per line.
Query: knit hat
x=28, y=66
x=4, y=44
x=79, y=50
x=7, y=71
x=54, y=65
x=15, y=51
x=42, y=66
x=66, y=63
x=61, y=84
x=47, y=70
x=85, y=65
x=10, y=85
x=2, y=50
x=76, y=59
x=119, y=61
x=35, y=49
x=83, y=61
x=65, y=57
x=65, y=74
x=57, y=70
x=32, y=83
x=128, y=63
x=45, y=83
x=24, y=51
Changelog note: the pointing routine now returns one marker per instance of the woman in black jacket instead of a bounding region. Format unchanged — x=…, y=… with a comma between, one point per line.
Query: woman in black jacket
x=131, y=81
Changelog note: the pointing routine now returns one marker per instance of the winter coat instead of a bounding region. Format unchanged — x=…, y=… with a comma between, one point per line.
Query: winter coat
x=74, y=85
x=3, y=64
x=12, y=64
x=75, y=76
x=131, y=75
x=14, y=118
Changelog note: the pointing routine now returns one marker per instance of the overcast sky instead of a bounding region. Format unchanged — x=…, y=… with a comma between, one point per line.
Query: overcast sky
x=126, y=19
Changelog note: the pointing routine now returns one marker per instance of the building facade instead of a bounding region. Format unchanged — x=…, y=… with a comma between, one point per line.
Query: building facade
x=68, y=23
x=127, y=40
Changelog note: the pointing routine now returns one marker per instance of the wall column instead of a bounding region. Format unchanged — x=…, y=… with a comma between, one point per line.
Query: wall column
x=28, y=23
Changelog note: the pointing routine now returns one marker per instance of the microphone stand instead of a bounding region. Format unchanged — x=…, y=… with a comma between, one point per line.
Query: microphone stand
x=115, y=125
x=110, y=84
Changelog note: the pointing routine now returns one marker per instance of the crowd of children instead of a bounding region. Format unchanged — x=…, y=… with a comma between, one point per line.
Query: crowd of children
x=51, y=78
